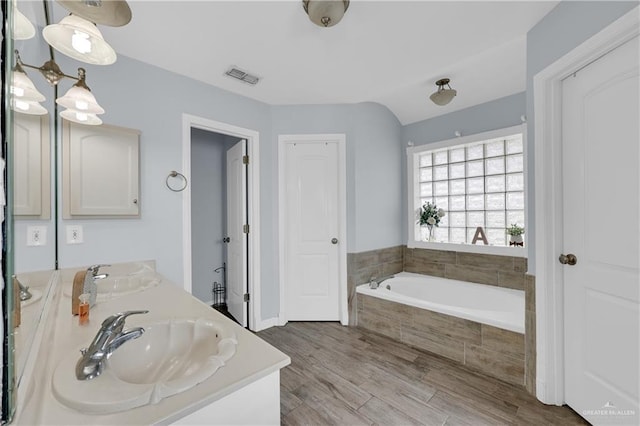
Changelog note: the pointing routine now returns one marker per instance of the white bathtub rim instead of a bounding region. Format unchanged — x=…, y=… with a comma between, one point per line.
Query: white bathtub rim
x=508, y=320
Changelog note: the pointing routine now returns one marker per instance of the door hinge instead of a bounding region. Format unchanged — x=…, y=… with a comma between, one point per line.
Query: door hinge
x=245, y=159
x=245, y=228
x=246, y=297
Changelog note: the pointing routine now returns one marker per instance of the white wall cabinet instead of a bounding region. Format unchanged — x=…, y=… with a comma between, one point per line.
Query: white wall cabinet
x=32, y=167
x=100, y=171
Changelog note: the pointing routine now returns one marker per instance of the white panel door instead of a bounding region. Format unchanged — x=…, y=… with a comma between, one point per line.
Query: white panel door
x=601, y=228
x=311, y=230
x=236, y=219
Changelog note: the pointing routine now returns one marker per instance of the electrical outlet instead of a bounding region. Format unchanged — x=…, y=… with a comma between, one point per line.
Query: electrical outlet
x=36, y=236
x=74, y=234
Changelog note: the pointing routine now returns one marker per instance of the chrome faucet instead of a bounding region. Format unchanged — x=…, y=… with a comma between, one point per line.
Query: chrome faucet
x=374, y=282
x=90, y=279
x=25, y=294
x=109, y=338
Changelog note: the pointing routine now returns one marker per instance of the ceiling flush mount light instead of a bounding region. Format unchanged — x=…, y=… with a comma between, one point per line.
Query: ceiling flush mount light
x=79, y=39
x=443, y=96
x=325, y=13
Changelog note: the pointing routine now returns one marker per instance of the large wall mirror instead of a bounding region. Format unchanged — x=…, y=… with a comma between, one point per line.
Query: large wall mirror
x=29, y=152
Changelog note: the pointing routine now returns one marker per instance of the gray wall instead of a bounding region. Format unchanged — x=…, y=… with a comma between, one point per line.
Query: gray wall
x=153, y=100
x=496, y=114
x=373, y=165
x=208, y=210
x=567, y=26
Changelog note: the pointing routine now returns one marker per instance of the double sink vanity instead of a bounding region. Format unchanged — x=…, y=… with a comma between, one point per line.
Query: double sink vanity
x=155, y=355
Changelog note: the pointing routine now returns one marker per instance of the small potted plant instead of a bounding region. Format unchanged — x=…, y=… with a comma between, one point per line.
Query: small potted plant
x=515, y=232
x=429, y=215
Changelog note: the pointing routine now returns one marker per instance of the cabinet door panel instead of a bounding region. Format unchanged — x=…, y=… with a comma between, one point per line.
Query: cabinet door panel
x=100, y=171
x=31, y=173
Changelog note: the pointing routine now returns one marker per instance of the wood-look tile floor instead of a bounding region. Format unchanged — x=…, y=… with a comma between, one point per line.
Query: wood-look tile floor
x=348, y=376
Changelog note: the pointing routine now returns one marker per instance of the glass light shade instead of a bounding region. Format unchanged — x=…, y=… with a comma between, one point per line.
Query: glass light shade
x=23, y=29
x=79, y=39
x=326, y=13
x=81, y=100
x=28, y=107
x=443, y=97
x=81, y=117
x=23, y=88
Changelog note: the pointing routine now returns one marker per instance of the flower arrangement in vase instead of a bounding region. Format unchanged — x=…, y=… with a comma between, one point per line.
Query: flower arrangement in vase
x=515, y=232
x=429, y=215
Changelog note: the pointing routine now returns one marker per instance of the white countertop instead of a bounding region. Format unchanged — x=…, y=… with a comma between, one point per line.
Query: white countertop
x=254, y=358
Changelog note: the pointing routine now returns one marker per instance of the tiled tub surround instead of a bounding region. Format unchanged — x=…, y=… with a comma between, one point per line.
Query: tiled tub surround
x=490, y=350
x=503, y=271
x=375, y=263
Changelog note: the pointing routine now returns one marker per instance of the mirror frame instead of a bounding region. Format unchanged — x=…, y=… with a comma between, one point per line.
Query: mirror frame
x=8, y=354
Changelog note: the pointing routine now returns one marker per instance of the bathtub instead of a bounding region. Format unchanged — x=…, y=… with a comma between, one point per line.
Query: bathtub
x=486, y=304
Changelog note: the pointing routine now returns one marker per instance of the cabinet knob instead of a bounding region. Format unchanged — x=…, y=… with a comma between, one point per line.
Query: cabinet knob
x=135, y=201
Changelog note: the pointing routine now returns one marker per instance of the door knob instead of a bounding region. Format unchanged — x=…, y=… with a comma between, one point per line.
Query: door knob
x=569, y=259
x=334, y=241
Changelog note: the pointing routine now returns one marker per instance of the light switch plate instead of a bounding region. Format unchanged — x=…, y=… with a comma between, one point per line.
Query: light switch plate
x=74, y=234
x=36, y=236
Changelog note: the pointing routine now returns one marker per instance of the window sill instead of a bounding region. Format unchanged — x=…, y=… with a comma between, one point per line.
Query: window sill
x=468, y=248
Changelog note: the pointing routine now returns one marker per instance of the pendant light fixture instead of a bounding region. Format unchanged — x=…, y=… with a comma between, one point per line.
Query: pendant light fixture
x=443, y=96
x=25, y=97
x=81, y=105
x=23, y=29
x=79, y=39
x=325, y=13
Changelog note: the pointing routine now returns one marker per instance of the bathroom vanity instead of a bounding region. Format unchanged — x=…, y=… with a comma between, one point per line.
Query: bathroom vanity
x=239, y=381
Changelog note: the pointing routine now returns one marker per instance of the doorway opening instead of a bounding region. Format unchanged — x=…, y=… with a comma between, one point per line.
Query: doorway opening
x=220, y=221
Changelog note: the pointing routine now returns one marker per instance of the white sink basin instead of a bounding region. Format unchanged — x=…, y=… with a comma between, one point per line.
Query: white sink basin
x=122, y=282
x=169, y=358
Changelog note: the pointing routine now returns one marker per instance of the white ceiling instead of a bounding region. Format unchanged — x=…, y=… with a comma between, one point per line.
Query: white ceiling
x=390, y=52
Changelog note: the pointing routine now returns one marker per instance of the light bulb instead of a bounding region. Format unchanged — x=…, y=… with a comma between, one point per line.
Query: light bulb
x=21, y=105
x=80, y=42
x=18, y=91
x=82, y=105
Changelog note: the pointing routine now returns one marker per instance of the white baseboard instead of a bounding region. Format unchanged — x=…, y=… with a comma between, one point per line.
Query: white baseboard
x=267, y=323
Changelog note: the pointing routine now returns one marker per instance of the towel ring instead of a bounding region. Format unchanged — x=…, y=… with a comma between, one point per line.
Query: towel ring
x=173, y=174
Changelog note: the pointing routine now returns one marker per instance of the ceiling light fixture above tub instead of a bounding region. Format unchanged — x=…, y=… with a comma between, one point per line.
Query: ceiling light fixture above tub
x=443, y=96
x=325, y=13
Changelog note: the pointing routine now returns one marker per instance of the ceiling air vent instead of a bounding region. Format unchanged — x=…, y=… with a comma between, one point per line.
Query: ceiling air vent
x=242, y=76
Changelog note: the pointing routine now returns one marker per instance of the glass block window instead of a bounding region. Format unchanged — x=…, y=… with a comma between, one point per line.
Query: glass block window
x=476, y=184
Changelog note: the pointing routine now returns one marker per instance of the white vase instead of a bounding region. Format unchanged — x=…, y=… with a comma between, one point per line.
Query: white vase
x=516, y=239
